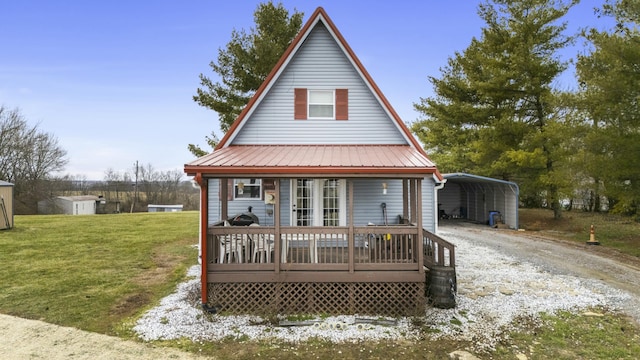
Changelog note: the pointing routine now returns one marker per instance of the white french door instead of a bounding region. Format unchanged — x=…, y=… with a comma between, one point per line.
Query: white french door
x=318, y=202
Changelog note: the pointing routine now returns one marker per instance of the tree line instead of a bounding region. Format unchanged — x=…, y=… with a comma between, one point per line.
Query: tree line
x=132, y=190
x=496, y=111
x=30, y=159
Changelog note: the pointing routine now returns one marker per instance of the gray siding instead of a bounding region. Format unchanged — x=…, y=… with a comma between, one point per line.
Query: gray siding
x=214, y=204
x=259, y=208
x=367, y=203
x=368, y=199
x=429, y=217
x=319, y=64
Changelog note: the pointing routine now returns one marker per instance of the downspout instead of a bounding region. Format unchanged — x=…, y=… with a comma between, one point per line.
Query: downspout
x=439, y=186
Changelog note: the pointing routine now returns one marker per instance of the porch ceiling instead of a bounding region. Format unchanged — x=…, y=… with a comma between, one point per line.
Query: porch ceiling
x=352, y=160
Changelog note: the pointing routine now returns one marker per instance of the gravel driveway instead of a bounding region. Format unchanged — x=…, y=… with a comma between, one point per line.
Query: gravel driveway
x=583, y=261
x=502, y=275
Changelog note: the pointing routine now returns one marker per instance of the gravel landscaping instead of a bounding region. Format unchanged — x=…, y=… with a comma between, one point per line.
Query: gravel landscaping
x=495, y=292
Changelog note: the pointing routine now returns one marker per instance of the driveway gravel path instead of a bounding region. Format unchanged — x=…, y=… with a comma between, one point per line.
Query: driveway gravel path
x=583, y=261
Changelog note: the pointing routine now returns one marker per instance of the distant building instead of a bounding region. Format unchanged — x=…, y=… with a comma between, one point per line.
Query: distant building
x=6, y=205
x=164, y=208
x=72, y=205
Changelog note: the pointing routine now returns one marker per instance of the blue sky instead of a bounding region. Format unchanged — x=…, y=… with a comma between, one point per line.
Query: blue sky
x=114, y=80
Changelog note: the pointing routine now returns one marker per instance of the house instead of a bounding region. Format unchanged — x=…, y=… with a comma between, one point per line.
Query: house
x=339, y=196
x=6, y=205
x=72, y=205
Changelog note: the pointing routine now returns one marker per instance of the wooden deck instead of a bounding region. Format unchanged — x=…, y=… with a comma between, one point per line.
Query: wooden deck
x=377, y=270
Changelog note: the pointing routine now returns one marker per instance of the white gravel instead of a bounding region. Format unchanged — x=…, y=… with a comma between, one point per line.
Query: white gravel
x=494, y=292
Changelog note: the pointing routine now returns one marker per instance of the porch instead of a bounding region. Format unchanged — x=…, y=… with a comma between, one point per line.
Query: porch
x=335, y=270
x=314, y=251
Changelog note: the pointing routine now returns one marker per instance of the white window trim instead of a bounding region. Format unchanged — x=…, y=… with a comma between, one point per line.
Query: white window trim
x=258, y=184
x=333, y=104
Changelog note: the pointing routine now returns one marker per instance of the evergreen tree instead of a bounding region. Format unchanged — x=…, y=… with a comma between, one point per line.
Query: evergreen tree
x=610, y=92
x=495, y=112
x=245, y=63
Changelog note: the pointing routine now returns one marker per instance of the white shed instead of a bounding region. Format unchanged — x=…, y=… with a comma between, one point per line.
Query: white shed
x=164, y=208
x=477, y=198
x=70, y=205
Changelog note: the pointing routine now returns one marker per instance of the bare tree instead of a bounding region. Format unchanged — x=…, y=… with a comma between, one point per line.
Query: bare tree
x=28, y=158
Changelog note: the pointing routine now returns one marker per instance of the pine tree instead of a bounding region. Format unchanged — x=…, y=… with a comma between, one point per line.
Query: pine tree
x=495, y=112
x=245, y=63
x=610, y=93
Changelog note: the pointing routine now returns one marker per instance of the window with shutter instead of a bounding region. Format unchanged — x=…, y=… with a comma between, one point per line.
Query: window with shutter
x=321, y=104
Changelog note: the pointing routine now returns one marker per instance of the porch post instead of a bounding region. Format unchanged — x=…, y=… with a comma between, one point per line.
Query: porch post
x=405, y=199
x=413, y=199
x=276, y=224
x=224, y=197
x=351, y=236
x=204, y=227
x=419, y=209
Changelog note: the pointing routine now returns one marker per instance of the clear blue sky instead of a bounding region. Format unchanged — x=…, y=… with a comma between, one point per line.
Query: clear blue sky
x=114, y=80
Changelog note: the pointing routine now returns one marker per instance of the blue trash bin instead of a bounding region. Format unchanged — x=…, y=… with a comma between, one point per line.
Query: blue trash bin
x=494, y=218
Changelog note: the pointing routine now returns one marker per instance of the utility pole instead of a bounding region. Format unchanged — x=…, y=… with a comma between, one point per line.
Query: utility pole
x=135, y=189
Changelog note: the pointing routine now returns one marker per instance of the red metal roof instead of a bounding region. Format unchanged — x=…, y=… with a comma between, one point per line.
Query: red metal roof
x=355, y=160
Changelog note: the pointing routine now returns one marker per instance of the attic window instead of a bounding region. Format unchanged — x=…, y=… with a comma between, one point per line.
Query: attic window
x=321, y=104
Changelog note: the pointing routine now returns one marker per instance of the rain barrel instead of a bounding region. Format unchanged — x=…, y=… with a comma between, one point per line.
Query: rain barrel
x=442, y=287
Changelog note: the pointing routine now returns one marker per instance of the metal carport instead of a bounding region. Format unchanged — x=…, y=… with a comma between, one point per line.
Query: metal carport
x=473, y=197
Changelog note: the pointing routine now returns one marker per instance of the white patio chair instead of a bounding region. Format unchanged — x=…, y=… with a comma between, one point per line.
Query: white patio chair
x=261, y=244
x=232, y=245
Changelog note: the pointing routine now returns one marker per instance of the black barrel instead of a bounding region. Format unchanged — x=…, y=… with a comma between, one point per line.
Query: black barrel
x=442, y=287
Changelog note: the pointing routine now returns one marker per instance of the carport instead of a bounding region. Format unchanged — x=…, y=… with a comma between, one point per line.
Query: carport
x=473, y=197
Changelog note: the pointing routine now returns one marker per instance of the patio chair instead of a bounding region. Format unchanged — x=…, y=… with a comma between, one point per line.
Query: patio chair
x=262, y=245
x=232, y=245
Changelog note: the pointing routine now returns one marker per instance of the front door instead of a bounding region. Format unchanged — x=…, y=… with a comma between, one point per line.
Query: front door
x=318, y=202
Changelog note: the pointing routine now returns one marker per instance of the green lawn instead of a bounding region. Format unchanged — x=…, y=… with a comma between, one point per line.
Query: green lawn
x=614, y=231
x=92, y=271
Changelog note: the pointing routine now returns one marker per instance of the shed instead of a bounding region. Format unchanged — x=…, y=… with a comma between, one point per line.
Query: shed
x=476, y=198
x=164, y=208
x=71, y=205
x=6, y=205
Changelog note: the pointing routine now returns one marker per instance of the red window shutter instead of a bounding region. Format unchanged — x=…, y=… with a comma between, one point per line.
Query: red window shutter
x=342, y=104
x=300, y=104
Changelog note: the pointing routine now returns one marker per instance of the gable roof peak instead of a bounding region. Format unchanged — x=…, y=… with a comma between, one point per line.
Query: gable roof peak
x=318, y=15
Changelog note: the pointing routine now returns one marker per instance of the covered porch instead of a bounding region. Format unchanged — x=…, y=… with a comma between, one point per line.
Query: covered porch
x=353, y=269
x=325, y=248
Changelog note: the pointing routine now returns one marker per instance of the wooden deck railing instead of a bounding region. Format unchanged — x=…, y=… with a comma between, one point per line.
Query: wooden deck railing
x=437, y=251
x=394, y=247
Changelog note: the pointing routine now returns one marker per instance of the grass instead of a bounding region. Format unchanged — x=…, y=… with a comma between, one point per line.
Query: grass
x=614, y=231
x=99, y=273
x=575, y=336
x=91, y=272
